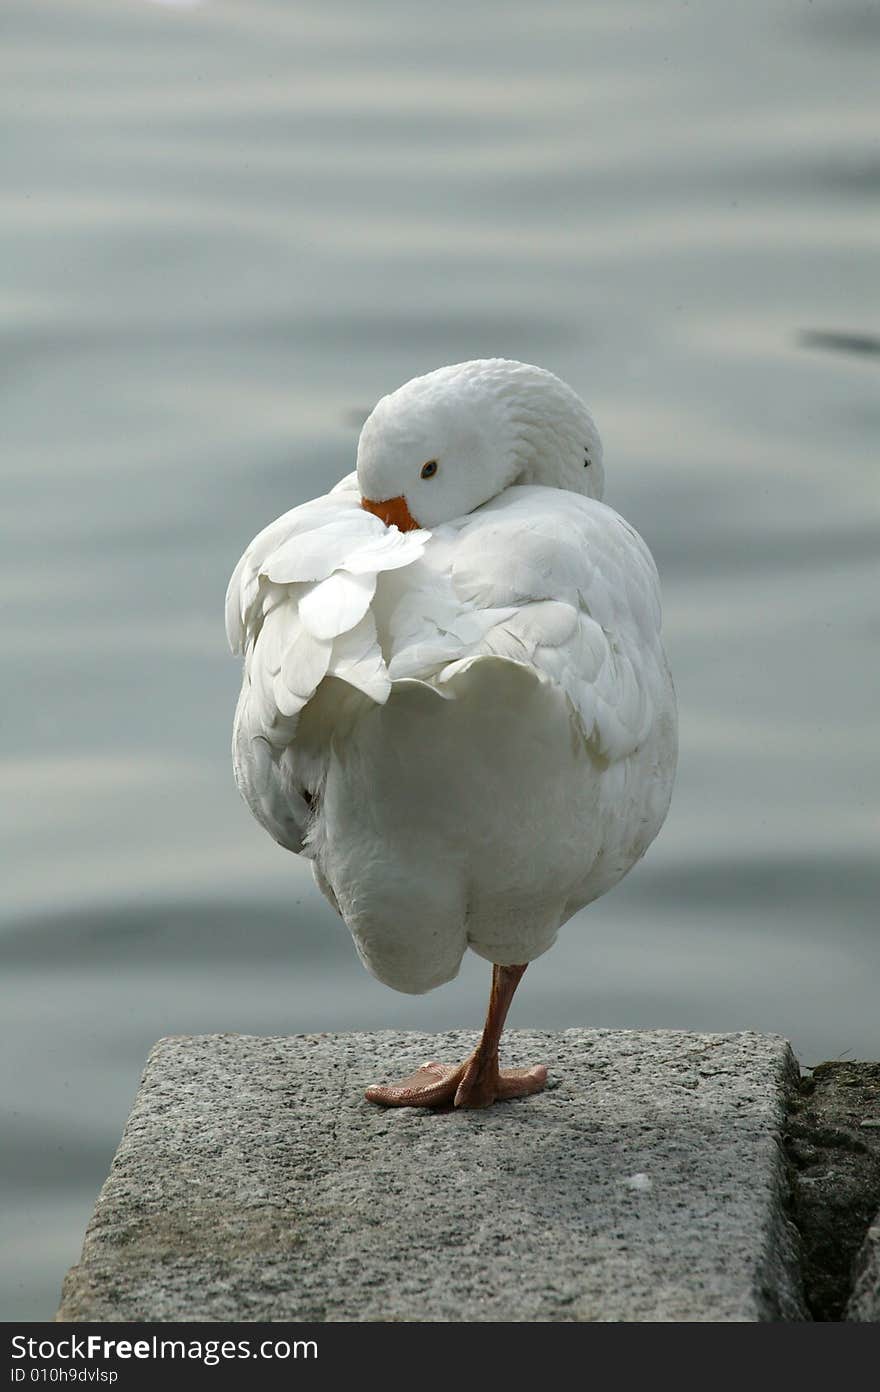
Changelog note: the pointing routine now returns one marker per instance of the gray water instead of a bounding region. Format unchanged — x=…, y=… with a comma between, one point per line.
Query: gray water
x=227, y=229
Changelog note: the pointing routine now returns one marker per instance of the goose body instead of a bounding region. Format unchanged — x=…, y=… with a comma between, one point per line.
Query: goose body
x=456, y=701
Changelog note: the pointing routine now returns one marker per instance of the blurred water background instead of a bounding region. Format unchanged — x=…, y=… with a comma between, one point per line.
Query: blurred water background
x=228, y=228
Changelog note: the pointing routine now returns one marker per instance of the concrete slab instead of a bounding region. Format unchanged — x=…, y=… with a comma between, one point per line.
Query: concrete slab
x=253, y=1182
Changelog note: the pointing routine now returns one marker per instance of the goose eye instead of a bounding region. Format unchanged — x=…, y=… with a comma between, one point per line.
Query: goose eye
x=428, y=470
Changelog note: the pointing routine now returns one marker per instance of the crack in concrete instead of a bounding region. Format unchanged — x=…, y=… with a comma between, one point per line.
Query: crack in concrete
x=832, y=1140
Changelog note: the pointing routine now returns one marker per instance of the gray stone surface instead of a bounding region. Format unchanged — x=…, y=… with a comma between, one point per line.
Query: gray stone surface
x=253, y=1182
x=864, y=1303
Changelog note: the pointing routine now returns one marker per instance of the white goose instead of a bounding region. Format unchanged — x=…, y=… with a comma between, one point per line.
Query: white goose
x=456, y=702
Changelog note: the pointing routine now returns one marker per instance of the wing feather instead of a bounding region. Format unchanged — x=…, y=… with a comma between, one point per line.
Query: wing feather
x=298, y=606
x=544, y=578
x=575, y=596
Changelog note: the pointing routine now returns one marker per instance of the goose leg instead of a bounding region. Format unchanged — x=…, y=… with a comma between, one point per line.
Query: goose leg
x=478, y=1082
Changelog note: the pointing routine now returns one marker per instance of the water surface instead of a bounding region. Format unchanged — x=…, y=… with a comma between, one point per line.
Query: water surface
x=226, y=230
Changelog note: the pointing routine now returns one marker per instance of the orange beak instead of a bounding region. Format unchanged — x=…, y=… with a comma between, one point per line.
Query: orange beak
x=393, y=512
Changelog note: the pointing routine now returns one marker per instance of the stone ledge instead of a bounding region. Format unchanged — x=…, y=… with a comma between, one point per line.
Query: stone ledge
x=864, y=1303
x=253, y=1182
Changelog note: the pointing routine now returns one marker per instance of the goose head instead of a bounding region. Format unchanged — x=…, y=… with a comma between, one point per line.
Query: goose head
x=444, y=444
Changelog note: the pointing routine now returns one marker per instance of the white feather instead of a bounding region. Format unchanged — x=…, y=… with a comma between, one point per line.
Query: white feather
x=305, y=661
x=337, y=603
x=357, y=659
